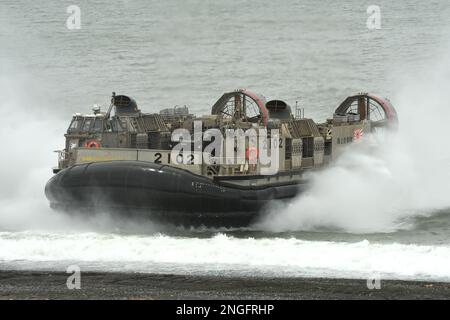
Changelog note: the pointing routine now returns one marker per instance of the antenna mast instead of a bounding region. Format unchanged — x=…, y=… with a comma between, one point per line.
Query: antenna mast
x=108, y=114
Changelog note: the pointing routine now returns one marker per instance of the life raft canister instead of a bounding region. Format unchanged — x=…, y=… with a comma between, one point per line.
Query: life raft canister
x=92, y=144
x=252, y=153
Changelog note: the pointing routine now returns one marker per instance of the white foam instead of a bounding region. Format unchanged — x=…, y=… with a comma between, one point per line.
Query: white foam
x=223, y=254
x=377, y=189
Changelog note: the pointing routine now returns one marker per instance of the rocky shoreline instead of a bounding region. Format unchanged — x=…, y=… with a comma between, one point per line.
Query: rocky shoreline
x=139, y=286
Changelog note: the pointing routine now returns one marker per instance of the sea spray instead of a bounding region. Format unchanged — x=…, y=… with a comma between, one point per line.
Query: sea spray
x=379, y=189
x=222, y=255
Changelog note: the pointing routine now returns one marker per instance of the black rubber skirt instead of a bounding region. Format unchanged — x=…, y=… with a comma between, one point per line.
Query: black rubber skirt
x=161, y=192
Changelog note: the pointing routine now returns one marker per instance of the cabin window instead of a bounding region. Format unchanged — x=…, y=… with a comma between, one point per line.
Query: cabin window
x=87, y=124
x=98, y=125
x=74, y=125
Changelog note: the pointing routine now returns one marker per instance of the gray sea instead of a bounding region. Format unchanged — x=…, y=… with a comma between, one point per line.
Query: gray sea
x=384, y=213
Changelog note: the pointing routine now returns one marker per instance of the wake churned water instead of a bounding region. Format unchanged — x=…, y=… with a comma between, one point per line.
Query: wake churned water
x=223, y=255
x=381, y=211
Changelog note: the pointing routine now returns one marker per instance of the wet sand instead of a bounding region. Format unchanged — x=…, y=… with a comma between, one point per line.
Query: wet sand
x=52, y=285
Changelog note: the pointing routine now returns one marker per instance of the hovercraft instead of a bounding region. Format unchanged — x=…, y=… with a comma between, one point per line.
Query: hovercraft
x=221, y=169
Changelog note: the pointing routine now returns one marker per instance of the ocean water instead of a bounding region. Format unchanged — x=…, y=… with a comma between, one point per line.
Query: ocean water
x=384, y=211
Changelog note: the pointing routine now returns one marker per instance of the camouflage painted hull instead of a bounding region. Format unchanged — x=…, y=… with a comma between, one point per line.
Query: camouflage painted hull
x=161, y=192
